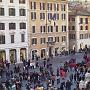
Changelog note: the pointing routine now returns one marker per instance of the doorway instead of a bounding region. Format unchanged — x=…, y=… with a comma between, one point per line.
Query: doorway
x=34, y=54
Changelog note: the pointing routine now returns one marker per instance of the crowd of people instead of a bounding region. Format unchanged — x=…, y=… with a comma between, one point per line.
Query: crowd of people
x=45, y=77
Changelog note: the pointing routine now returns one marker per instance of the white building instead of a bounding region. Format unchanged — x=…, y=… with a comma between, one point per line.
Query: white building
x=79, y=30
x=13, y=30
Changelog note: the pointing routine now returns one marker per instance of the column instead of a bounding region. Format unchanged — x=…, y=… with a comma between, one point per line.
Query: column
x=53, y=51
x=7, y=55
x=30, y=54
x=18, y=55
x=27, y=53
x=47, y=52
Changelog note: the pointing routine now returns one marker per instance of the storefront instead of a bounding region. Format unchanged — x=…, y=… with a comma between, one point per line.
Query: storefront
x=13, y=57
x=43, y=53
x=23, y=54
x=3, y=55
x=34, y=54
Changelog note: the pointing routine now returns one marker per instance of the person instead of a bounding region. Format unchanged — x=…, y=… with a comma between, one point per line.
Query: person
x=29, y=63
x=15, y=69
x=28, y=86
x=74, y=89
x=68, y=85
x=82, y=85
x=75, y=77
x=61, y=86
x=11, y=73
x=18, y=85
x=44, y=63
x=7, y=64
x=37, y=65
x=62, y=73
x=71, y=77
x=1, y=86
x=8, y=85
x=58, y=71
x=88, y=86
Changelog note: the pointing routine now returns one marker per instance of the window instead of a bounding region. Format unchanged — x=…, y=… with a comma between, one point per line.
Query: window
x=33, y=29
x=12, y=26
x=81, y=36
x=86, y=35
x=69, y=27
x=72, y=36
x=33, y=15
x=42, y=16
x=86, y=27
x=1, y=11
x=22, y=1
x=81, y=20
x=63, y=7
x=73, y=27
x=2, y=26
x=54, y=23
x=49, y=6
x=33, y=5
x=81, y=27
x=50, y=28
x=11, y=11
x=42, y=6
x=22, y=37
x=50, y=39
x=22, y=25
x=2, y=39
x=69, y=19
x=11, y=1
x=42, y=40
x=56, y=39
x=12, y=38
x=34, y=41
x=22, y=12
x=55, y=16
x=73, y=19
x=63, y=28
x=49, y=16
x=42, y=29
x=86, y=20
x=56, y=28
x=63, y=16
x=63, y=38
x=56, y=7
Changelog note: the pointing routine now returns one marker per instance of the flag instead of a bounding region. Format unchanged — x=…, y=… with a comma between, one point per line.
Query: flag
x=54, y=17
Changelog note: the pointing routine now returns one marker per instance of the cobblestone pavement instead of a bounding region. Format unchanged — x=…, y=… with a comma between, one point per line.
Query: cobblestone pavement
x=56, y=62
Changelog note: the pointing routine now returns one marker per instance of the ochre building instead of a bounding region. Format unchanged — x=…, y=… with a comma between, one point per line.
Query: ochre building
x=48, y=28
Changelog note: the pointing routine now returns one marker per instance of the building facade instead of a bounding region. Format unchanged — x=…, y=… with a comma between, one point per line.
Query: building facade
x=79, y=30
x=13, y=30
x=48, y=31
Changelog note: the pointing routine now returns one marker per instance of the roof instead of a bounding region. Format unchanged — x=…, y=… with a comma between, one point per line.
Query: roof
x=79, y=8
x=79, y=13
